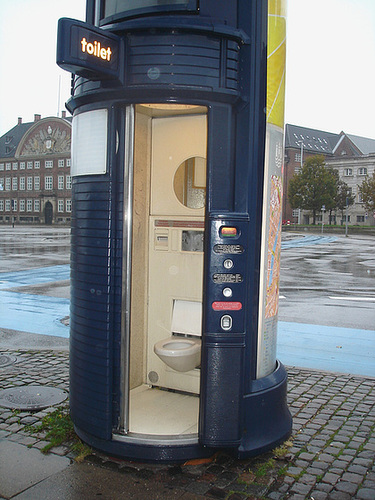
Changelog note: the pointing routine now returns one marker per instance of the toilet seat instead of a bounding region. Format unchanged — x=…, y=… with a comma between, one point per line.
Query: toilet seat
x=181, y=354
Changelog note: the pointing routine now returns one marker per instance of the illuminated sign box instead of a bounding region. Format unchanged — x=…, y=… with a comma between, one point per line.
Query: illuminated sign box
x=87, y=51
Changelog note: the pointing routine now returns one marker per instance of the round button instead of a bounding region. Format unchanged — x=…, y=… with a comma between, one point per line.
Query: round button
x=228, y=263
x=227, y=292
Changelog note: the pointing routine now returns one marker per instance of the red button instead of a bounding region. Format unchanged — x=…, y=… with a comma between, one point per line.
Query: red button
x=226, y=306
x=228, y=231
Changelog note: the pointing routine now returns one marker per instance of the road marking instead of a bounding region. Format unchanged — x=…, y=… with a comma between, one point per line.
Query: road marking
x=334, y=272
x=282, y=297
x=359, y=299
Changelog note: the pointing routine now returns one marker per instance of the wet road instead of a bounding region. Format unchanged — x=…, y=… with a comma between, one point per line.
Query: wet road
x=328, y=281
x=327, y=295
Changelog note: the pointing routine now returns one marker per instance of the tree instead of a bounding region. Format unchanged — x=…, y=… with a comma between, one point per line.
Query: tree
x=343, y=197
x=367, y=189
x=313, y=187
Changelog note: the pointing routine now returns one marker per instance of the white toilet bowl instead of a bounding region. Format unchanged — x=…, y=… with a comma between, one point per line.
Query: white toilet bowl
x=180, y=353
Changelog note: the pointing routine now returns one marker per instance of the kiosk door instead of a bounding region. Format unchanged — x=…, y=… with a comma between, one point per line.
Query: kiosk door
x=169, y=195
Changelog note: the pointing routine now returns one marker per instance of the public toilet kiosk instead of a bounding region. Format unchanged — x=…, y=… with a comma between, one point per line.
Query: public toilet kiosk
x=177, y=158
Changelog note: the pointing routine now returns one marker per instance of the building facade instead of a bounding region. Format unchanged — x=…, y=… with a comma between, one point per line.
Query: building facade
x=353, y=171
x=352, y=156
x=35, y=180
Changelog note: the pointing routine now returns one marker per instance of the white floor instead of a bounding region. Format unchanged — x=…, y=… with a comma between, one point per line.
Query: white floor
x=155, y=411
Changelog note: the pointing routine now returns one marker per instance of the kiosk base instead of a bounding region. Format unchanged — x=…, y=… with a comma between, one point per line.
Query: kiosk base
x=268, y=421
x=267, y=424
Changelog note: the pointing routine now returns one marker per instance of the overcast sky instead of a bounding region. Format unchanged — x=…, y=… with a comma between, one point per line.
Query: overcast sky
x=330, y=62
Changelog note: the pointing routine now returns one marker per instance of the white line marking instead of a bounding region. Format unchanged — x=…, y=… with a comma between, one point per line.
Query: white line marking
x=359, y=299
x=334, y=272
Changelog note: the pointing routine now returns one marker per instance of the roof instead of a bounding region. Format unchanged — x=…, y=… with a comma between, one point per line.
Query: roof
x=317, y=141
x=365, y=145
x=10, y=140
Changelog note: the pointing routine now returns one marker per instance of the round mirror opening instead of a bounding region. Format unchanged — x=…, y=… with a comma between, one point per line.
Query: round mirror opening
x=189, y=182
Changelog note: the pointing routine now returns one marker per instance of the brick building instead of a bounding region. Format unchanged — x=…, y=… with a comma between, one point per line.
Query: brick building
x=35, y=181
x=352, y=156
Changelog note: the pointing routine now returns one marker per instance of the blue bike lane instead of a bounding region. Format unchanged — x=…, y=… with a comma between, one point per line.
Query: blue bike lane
x=335, y=349
x=34, y=313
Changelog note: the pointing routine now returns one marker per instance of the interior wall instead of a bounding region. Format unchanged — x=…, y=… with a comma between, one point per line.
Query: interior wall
x=139, y=286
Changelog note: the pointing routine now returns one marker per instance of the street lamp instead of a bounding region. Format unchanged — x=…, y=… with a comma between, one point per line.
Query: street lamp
x=346, y=214
x=302, y=145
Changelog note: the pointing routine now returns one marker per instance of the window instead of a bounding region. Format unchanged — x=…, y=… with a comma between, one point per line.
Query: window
x=348, y=172
x=120, y=8
x=22, y=205
x=36, y=164
x=68, y=162
x=48, y=163
x=22, y=183
x=36, y=183
x=1, y=166
x=29, y=205
x=297, y=157
x=362, y=171
x=1, y=205
x=360, y=218
x=14, y=183
x=48, y=182
x=360, y=198
x=36, y=205
x=29, y=183
x=61, y=163
x=344, y=218
x=60, y=182
x=68, y=182
x=22, y=165
x=1, y=183
x=69, y=205
x=89, y=143
x=7, y=205
x=60, y=206
x=7, y=166
x=29, y=165
x=7, y=183
x=15, y=166
x=14, y=205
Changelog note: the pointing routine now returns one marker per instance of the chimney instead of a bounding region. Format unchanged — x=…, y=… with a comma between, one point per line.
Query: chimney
x=19, y=120
x=37, y=118
x=63, y=114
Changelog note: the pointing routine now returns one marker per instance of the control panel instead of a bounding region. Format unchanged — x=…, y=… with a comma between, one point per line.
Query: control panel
x=226, y=275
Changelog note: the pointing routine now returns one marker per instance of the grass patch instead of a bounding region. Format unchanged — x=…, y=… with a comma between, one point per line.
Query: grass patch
x=283, y=450
x=59, y=430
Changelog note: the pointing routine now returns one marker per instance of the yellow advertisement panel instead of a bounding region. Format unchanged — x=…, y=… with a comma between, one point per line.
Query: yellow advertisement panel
x=272, y=194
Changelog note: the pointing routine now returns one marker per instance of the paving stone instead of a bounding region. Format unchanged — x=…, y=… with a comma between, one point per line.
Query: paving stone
x=330, y=478
x=353, y=478
x=318, y=495
x=301, y=488
x=294, y=471
x=199, y=487
x=339, y=495
x=366, y=494
x=357, y=469
x=346, y=487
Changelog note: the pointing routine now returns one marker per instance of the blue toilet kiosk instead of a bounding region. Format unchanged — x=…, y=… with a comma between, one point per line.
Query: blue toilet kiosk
x=177, y=157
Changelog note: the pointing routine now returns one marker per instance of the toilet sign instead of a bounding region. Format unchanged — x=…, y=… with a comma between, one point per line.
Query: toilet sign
x=87, y=51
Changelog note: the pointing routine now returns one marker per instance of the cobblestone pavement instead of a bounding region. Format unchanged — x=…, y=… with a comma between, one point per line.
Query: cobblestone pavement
x=329, y=456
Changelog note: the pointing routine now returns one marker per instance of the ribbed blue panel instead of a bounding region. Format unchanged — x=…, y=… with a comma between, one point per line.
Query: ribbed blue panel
x=182, y=59
x=90, y=363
